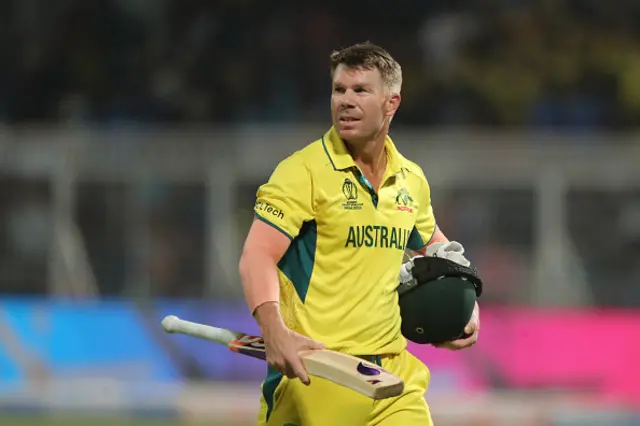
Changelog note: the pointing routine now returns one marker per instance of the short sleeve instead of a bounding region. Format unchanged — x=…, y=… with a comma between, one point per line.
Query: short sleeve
x=425, y=225
x=286, y=200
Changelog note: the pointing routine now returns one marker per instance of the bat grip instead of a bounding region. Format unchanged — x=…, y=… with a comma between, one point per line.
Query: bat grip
x=173, y=324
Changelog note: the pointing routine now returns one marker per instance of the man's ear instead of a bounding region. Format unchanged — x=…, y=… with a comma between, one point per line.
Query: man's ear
x=393, y=103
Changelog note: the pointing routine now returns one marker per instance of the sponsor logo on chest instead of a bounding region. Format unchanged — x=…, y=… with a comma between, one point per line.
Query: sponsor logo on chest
x=404, y=201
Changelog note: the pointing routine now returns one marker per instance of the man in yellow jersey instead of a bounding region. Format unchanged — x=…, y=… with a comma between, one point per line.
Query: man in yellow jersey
x=321, y=263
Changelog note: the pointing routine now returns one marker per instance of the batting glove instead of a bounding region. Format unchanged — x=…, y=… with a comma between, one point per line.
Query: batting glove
x=405, y=271
x=451, y=250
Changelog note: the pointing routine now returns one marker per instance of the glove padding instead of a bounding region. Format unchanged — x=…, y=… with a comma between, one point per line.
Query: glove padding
x=451, y=250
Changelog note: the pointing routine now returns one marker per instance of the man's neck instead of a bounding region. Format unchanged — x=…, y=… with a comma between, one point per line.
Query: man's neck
x=369, y=153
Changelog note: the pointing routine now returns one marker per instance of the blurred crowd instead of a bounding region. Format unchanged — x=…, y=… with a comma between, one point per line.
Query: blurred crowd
x=163, y=243
x=566, y=64
x=558, y=63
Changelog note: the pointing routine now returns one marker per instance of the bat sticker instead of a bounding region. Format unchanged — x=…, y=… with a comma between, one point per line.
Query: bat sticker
x=250, y=341
x=367, y=371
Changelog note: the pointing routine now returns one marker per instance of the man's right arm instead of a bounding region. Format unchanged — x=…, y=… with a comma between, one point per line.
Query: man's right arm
x=263, y=249
x=283, y=204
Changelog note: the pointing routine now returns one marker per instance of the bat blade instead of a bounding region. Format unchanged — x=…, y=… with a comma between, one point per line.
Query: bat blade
x=353, y=372
x=346, y=370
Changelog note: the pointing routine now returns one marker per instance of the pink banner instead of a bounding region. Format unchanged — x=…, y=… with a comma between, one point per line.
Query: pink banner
x=584, y=351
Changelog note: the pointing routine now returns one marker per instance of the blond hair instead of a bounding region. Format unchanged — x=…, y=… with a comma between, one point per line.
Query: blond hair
x=369, y=56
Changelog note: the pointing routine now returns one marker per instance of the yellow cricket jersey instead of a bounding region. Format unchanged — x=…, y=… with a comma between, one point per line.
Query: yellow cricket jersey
x=339, y=276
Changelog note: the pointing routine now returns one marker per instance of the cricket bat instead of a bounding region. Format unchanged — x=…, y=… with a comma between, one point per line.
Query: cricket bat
x=350, y=371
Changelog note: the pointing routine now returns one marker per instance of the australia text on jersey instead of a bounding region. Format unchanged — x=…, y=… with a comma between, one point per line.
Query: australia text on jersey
x=377, y=236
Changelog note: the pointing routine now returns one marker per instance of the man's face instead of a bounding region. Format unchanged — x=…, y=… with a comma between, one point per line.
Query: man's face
x=360, y=103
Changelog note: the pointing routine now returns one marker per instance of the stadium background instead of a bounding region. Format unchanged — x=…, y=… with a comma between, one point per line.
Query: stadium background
x=134, y=133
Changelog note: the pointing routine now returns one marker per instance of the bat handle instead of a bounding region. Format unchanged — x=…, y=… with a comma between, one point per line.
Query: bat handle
x=169, y=323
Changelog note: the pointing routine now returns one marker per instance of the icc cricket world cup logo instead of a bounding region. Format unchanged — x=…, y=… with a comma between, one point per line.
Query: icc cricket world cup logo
x=350, y=190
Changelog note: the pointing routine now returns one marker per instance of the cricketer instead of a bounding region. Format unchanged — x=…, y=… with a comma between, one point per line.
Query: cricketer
x=321, y=260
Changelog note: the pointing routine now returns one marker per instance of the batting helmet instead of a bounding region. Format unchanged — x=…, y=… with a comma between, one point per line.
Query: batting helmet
x=438, y=303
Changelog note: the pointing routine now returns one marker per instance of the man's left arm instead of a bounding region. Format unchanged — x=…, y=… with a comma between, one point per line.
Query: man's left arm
x=438, y=237
x=473, y=327
x=438, y=245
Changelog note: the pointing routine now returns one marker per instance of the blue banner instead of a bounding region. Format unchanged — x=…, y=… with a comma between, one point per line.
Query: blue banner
x=118, y=339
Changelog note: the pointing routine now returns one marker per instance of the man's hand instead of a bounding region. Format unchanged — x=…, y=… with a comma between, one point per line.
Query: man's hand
x=471, y=330
x=283, y=346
